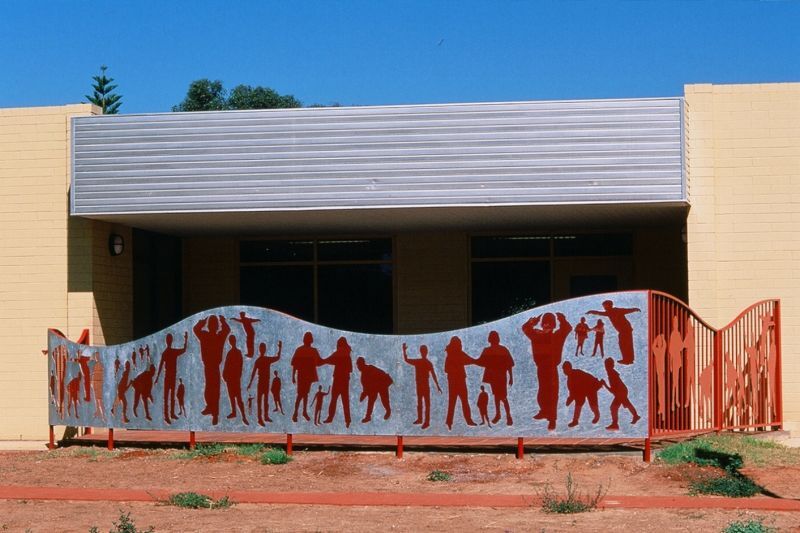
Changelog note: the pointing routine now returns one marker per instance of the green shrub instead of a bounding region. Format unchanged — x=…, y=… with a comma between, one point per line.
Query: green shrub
x=249, y=450
x=752, y=525
x=274, y=456
x=573, y=502
x=203, y=450
x=732, y=485
x=438, y=475
x=191, y=500
x=125, y=525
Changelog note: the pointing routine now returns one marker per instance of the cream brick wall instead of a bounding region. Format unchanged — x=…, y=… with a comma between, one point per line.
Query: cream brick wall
x=743, y=165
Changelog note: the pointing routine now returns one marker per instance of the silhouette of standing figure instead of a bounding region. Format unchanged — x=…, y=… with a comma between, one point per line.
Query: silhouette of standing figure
x=340, y=388
x=60, y=359
x=498, y=373
x=212, y=332
x=122, y=388
x=261, y=369
x=275, y=388
x=143, y=390
x=599, y=332
x=374, y=383
x=455, y=363
x=249, y=332
x=675, y=348
x=659, y=357
x=305, y=361
x=97, y=386
x=581, y=334
x=620, y=392
x=547, y=345
x=53, y=388
x=617, y=317
x=581, y=386
x=181, y=395
x=74, y=394
x=423, y=371
x=83, y=363
x=483, y=407
x=316, y=404
x=169, y=363
x=232, y=374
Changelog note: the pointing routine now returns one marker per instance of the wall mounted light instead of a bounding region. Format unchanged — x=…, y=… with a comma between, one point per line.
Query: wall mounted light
x=116, y=244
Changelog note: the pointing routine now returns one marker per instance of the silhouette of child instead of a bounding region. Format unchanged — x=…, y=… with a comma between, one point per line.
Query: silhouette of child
x=581, y=334
x=316, y=403
x=275, y=388
x=483, y=406
x=181, y=395
x=616, y=387
x=599, y=333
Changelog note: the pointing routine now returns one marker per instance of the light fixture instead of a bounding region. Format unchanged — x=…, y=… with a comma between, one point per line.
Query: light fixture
x=116, y=244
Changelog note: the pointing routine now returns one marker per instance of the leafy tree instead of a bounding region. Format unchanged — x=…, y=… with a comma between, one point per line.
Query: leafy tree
x=103, y=95
x=206, y=95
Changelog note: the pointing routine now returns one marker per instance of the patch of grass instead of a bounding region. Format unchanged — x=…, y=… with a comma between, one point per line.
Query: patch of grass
x=573, y=501
x=249, y=450
x=752, y=450
x=124, y=525
x=753, y=525
x=202, y=450
x=732, y=485
x=93, y=454
x=438, y=475
x=193, y=500
x=274, y=456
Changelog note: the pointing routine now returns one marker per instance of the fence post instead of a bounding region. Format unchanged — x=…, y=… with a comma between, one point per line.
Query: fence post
x=288, y=444
x=778, y=363
x=52, y=444
x=399, y=452
x=520, y=448
x=110, y=439
x=192, y=441
x=718, y=385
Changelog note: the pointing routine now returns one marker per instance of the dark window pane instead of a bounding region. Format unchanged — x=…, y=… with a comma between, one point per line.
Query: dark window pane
x=356, y=297
x=594, y=245
x=585, y=285
x=513, y=246
x=506, y=288
x=289, y=289
x=355, y=250
x=274, y=251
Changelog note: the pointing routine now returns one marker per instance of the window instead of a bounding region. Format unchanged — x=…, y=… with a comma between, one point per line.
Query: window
x=340, y=283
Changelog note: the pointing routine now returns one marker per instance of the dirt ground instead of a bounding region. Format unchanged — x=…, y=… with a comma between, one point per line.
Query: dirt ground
x=340, y=471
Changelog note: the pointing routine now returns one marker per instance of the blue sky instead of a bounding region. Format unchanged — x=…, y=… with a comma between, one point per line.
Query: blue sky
x=384, y=52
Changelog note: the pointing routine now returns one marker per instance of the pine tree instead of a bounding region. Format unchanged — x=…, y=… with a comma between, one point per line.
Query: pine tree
x=103, y=95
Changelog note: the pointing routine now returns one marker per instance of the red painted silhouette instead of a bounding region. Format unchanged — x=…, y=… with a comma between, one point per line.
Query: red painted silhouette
x=455, y=363
x=498, y=373
x=305, y=361
x=689, y=345
x=122, y=389
x=375, y=384
x=169, y=363
x=73, y=394
x=60, y=357
x=83, y=364
x=316, y=404
x=181, y=394
x=143, y=390
x=53, y=388
x=547, y=345
x=116, y=367
x=250, y=333
x=483, y=407
x=232, y=374
x=97, y=386
x=581, y=334
x=581, y=387
x=423, y=372
x=340, y=388
x=660, y=359
x=133, y=357
x=618, y=389
x=275, y=388
x=212, y=332
x=617, y=317
x=599, y=333
x=675, y=348
x=261, y=368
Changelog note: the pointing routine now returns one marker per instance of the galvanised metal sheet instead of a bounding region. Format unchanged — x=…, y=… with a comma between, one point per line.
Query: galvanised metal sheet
x=516, y=153
x=525, y=375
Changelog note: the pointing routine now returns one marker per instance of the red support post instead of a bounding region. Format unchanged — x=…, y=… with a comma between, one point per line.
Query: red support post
x=52, y=444
x=288, y=444
x=111, y=439
x=87, y=431
x=647, y=452
x=520, y=448
x=399, y=452
x=718, y=385
x=778, y=372
x=192, y=441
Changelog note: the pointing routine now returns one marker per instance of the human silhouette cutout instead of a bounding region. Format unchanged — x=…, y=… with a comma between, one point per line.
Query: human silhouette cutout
x=316, y=404
x=60, y=360
x=249, y=332
x=455, y=363
x=375, y=384
x=83, y=363
x=304, y=363
x=547, y=345
x=581, y=387
x=261, y=368
x=618, y=389
x=423, y=372
x=143, y=390
x=599, y=333
x=74, y=394
x=212, y=332
x=181, y=395
x=691, y=363
x=275, y=388
x=232, y=375
x=675, y=348
x=97, y=386
x=117, y=365
x=483, y=407
x=169, y=364
x=342, y=364
x=618, y=318
x=498, y=373
x=581, y=334
x=660, y=360
x=122, y=389
x=53, y=388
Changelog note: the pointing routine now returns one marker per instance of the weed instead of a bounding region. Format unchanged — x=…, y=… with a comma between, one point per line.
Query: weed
x=202, y=450
x=573, y=502
x=760, y=452
x=191, y=500
x=249, y=450
x=93, y=454
x=222, y=503
x=753, y=525
x=274, y=456
x=438, y=475
x=732, y=485
x=125, y=525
